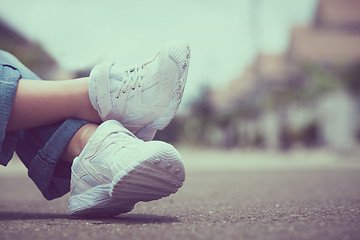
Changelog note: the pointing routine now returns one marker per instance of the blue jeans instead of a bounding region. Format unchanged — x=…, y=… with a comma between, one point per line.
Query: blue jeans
x=38, y=148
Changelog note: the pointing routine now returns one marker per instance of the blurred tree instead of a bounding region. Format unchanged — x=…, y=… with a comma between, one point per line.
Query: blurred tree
x=173, y=132
x=202, y=106
x=351, y=76
x=203, y=111
x=315, y=81
x=82, y=73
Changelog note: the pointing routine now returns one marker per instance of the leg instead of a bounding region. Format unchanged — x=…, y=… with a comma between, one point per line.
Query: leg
x=78, y=142
x=39, y=103
x=41, y=148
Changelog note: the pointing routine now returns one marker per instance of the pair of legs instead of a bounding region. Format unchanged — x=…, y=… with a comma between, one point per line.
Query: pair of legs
x=40, y=140
x=40, y=103
x=53, y=125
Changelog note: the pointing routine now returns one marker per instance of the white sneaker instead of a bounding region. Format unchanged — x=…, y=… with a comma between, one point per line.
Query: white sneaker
x=143, y=98
x=116, y=170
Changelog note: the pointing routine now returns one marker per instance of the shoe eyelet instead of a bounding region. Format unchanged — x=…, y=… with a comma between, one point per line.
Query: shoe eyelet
x=133, y=88
x=123, y=91
x=116, y=97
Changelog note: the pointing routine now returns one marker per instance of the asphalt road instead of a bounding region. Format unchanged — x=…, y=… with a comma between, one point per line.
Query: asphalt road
x=227, y=195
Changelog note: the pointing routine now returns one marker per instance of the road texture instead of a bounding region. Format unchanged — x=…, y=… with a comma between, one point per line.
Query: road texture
x=227, y=195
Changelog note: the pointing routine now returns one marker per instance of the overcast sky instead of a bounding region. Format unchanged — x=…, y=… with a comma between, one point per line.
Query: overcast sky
x=223, y=35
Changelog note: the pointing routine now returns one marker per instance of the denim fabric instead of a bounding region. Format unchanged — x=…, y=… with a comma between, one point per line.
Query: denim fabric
x=38, y=148
x=9, y=77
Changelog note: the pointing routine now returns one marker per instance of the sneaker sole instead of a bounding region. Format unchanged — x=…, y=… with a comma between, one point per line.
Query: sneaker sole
x=151, y=178
x=179, y=52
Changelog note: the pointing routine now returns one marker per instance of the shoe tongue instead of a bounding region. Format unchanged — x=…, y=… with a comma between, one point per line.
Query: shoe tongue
x=152, y=67
x=115, y=77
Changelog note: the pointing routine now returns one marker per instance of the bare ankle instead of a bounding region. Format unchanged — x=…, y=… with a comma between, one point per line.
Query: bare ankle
x=85, y=110
x=78, y=142
x=86, y=133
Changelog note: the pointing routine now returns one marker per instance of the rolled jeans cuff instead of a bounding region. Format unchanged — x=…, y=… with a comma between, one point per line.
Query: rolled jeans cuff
x=49, y=173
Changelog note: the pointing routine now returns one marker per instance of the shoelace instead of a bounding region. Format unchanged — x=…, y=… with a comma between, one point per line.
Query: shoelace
x=132, y=78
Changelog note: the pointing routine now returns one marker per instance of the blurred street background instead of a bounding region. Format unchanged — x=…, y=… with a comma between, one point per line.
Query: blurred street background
x=265, y=74
x=271, y=106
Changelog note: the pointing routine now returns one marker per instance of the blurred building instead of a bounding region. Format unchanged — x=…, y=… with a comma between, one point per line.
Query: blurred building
x=30, y=53
x=331, y=42
x=237, y=89
x=273, y=83
x=333, y=38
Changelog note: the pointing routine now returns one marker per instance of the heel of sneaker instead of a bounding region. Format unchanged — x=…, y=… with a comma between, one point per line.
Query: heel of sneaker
x=99, y=89
x=179, y=52
x=147, y=133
